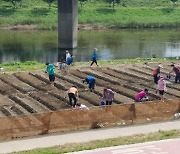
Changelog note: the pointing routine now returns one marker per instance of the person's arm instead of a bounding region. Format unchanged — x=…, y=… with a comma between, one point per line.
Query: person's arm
x=165, y=87
x=77, y=94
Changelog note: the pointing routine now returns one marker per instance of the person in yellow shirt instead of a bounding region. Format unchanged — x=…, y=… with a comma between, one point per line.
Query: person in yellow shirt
x=73, y=95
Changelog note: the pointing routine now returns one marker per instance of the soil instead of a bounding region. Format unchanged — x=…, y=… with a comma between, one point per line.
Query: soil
x=23, y=93
x=34, y=27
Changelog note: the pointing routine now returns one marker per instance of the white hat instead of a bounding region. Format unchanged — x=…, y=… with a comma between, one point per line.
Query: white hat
x=95, y=49
x=160, y=65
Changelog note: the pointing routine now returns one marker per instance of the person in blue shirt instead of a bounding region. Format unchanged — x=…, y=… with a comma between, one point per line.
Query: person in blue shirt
x=90, y=80
x=94, y=57
x=50, y=69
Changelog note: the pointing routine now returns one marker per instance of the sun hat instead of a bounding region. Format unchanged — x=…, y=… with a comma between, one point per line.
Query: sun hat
x=160, y=65
x=95, y=49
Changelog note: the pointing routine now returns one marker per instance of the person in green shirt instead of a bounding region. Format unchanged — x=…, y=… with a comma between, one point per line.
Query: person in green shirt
x=50, y=69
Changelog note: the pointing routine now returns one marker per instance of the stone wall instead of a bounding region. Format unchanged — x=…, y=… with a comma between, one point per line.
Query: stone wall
x=96, y=117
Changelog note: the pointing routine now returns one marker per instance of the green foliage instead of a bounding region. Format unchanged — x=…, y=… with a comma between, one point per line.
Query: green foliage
x=49, y=2
x=174, y=1
x=82, y=2
x=136, y=14
x=113, y=2
x=22, y=66
x=13, y=2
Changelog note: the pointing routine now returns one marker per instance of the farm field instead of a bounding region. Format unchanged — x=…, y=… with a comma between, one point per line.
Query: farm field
x=25, y=93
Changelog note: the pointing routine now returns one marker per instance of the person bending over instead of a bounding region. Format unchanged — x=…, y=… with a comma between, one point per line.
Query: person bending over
x=142, y=96
x=90, y=80
x=73, y=95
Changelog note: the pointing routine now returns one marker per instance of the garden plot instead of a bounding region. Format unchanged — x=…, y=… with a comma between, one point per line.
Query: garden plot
x=170, y=84
x=25, y=93
x=100, y=84
x=171, y=90
x=63, y=83
x=17, y=84
x=113, y=84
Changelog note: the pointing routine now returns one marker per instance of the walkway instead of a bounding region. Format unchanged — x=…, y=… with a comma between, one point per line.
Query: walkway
x=83, y=136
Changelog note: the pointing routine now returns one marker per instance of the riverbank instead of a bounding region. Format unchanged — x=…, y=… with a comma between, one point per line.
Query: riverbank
x=34, y=65
x=93, y=15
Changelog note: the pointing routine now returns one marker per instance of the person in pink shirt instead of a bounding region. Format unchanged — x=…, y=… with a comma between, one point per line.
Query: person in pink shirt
x=108, y=96
x=141, y=96
x=161, y=87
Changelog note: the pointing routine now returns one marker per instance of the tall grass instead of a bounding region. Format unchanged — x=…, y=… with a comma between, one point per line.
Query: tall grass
x=133, y=14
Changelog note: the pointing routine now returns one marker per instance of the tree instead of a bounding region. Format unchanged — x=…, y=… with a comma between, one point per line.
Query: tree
x=174, y=1
x=82, y=2
x=13, y=2
x=113, y=2
x=49, y=2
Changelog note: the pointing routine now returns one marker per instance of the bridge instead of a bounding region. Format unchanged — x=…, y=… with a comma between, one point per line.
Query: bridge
x=67, y=24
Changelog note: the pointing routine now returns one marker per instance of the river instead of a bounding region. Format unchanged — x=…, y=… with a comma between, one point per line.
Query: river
x=111, y=44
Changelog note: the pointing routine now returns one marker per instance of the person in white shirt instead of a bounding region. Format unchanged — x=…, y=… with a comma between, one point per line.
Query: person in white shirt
x=68, y=55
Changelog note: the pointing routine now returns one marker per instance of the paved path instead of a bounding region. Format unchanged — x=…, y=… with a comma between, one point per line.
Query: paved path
x=83, y=136
x=171, y=146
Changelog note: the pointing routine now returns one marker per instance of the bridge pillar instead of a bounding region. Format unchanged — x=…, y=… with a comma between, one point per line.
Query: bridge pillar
x=67, y=24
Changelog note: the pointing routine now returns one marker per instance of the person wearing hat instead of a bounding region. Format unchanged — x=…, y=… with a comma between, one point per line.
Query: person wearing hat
x=161, y=87
x=68, y=55
x=176, y=70
x=94, y=57
x=156, y=73
x=108, y=96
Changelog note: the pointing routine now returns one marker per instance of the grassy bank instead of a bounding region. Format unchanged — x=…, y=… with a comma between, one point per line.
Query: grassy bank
x=161, y=135
x=133, y=14
x=33, y=65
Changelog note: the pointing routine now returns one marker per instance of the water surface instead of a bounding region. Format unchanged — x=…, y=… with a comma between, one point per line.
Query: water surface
x=112, y=44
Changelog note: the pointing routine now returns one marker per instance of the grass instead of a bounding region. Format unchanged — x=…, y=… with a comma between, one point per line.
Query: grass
x=135, y=14
x=140, y=138
x=33, y=65
x=19, y=66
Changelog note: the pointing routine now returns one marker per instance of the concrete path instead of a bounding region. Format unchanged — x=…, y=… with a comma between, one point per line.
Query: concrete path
x=83, y=136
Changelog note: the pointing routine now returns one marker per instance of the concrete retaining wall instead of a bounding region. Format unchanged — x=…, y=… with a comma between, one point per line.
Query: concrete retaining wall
x=105, y=116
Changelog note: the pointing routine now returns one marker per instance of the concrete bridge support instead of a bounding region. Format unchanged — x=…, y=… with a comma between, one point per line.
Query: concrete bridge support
x=67, y=24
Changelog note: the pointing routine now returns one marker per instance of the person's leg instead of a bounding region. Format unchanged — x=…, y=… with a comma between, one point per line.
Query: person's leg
x=92, y=62
x=52, y=79
x=155, y=79
x=75, y=100
x=107, y=103
x=90, y=86
x=96, y=62
x=176, y=78
x=70, y=98
x=110, y=102
x=161, y=93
